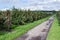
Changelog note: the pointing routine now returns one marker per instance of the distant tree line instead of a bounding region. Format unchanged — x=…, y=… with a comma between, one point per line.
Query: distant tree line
x=58, y=16
x=20, y=17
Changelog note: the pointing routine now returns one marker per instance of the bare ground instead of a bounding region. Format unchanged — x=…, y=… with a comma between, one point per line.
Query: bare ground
x=39, y=32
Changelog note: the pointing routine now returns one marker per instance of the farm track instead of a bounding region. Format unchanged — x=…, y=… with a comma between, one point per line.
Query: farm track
x=39, y=32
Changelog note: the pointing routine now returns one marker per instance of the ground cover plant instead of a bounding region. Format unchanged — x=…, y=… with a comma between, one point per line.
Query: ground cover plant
x=55, y=30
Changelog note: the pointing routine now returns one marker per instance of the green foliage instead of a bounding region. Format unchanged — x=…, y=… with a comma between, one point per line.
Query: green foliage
x=20, y=17
x=5, y=23
x=19, y=30
x=58, y=16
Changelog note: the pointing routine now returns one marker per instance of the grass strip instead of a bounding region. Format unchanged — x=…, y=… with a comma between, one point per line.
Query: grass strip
x=54, y=33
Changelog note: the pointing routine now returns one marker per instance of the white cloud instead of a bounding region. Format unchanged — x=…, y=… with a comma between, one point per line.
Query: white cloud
x=33, y=4
x=33, y=8
x=57, y=0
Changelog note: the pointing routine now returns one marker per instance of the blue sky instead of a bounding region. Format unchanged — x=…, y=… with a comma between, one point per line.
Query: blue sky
x=31, y=4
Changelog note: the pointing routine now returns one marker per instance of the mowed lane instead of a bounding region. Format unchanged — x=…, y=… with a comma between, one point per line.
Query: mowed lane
x=39, y=32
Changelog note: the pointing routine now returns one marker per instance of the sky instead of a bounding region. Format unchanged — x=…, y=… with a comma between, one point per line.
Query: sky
x=30, y=4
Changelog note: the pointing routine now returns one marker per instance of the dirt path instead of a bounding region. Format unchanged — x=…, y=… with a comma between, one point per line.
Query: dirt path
x=37, y=33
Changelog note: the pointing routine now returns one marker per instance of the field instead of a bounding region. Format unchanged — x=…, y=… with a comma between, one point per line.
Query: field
x=15, y=22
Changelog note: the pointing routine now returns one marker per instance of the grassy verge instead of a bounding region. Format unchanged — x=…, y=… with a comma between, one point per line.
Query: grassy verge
x=20, y=30
x=54, y=33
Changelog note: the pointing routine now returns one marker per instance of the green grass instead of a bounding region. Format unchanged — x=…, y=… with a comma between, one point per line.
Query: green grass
x=54, y=33
x=18, y=31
